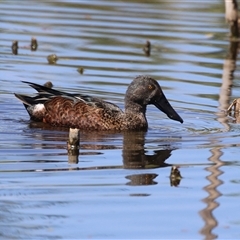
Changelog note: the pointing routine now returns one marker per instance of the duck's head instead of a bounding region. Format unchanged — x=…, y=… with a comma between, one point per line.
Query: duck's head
x=144, y=91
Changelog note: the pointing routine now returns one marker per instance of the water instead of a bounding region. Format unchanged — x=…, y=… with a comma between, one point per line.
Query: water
x=120, y=185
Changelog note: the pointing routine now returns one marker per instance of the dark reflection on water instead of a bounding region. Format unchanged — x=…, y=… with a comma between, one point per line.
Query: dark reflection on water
x=135, y=156
x=142, y=179
x=134, y=153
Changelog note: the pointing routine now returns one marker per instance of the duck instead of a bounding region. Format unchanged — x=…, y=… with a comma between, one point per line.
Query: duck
x=89, y=113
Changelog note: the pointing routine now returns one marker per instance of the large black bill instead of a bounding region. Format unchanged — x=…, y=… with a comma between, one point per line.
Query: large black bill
x=163, y=105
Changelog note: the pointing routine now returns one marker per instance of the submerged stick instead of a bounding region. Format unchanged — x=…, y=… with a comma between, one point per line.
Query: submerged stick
x=175, y=176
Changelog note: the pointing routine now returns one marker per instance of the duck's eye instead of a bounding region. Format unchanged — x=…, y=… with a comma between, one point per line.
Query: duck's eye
x=150, y=87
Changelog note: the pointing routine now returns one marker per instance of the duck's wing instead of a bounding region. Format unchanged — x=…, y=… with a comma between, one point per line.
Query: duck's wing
x=70, y=110
x=45, y=94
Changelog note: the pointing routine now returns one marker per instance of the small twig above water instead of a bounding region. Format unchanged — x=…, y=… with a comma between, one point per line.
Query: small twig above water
x=147, y=48
x=52, y=59
x=34, y=44
x=15, y=47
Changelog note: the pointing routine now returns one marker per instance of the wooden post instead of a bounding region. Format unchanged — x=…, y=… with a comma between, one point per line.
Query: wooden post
x=73, y=145
x=231, y=15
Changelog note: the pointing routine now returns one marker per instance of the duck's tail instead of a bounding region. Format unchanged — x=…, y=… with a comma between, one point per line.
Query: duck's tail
x=35, y=105
x=26, y=100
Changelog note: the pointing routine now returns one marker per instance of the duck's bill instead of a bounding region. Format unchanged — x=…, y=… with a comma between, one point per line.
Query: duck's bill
x=163, y=105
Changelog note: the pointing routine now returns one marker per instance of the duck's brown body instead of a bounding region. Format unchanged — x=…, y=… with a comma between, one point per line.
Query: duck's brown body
x=65, y=112
x=93, y=114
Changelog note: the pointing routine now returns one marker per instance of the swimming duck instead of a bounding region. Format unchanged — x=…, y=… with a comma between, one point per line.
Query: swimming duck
x=93, y=114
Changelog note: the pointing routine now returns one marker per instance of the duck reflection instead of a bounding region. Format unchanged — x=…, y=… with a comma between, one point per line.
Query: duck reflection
x=142, y=179
x=136, y=157
x=134, y=153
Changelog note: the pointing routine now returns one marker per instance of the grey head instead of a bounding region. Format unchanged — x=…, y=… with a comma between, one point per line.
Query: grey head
x=144, y=91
